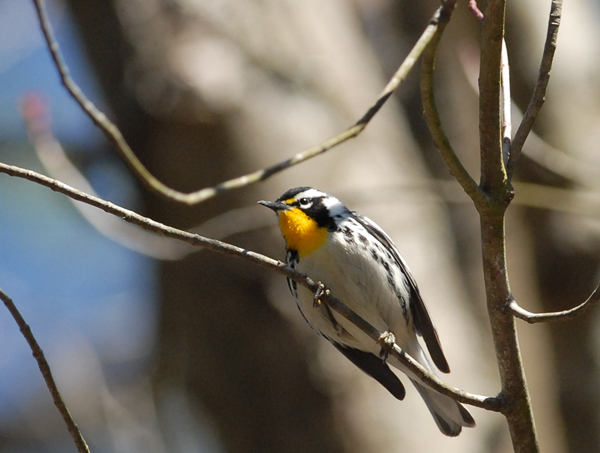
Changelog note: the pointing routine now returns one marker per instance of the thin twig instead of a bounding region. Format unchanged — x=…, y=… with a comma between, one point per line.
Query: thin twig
x=38, y=354
x=435, y=125
x=565, y=315
x=489, y=403
x=115, y=136
x=539, y=93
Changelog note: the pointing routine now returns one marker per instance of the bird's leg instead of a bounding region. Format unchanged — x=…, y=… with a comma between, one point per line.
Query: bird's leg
x=321, y=290
x=386, y=340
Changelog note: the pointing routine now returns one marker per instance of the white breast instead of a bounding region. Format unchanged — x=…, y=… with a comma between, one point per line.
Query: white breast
x=351, y=268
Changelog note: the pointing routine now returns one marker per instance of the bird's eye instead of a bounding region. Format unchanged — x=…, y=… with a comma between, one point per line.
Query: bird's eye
x=304, y=202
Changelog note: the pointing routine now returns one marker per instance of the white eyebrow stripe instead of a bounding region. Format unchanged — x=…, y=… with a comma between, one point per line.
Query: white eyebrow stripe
x=310, y=193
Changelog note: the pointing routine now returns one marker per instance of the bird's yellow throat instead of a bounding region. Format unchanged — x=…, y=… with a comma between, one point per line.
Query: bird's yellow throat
x=301, y=232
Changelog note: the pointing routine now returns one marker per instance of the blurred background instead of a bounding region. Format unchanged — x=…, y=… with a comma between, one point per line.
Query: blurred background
x=160, y=348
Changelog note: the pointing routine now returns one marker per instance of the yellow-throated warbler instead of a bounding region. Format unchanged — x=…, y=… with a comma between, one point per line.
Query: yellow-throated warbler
x=358, y=262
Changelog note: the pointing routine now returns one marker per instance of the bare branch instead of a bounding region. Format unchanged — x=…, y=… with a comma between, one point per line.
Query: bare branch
x=566, y=315
x=539, y=93
x=493, y=172
x=495, y=184
x=489, y=403
x=435, y=125
x=115, y=136
x=38, y=354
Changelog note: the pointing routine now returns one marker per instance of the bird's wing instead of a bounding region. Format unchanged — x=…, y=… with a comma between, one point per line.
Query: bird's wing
x=421, y=319
x=374, y=367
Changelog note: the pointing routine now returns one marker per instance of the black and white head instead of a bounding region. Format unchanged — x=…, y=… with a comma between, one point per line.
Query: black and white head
x=326, y=210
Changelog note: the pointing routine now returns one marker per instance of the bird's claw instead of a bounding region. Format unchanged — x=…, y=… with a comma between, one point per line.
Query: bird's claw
x=321, y=290
x=386, y=340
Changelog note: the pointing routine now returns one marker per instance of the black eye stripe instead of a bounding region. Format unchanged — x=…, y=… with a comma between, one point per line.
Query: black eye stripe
x=307, y=203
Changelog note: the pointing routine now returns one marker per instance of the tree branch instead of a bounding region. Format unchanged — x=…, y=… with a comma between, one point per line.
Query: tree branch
x=565, y=315
x=428, y=378
x=38, y=354
x=494, y=183
x=495, y=404
x=434, y=123
x=493, y=172
x=115, y=136
x=539, y=93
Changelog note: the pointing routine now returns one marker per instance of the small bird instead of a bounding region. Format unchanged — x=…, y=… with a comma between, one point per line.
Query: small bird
x=360, y=265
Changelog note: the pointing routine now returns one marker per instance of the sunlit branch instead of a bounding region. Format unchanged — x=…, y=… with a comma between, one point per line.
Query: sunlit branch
x=115, y=136
x=428, y=378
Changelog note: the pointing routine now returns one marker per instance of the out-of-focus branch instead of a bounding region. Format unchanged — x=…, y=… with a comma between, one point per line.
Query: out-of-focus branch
x=442, y=15
x=38, y=354
x=539, y=93
x=475, y=9
x=565, y=315
x=435, y=125
x=489, y=403
x=57, y=164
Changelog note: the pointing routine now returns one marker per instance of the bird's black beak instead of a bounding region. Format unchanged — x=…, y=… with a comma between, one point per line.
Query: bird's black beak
x=273, y=205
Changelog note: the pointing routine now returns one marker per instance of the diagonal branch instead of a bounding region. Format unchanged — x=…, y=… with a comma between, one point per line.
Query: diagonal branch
x=442, y=15
x=435, y=125
x=428, y=378
x=495, y=404
x=566, y=315
x=38, y=354
x=539, y=93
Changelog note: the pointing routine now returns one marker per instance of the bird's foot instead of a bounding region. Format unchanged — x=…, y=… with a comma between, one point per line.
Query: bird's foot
x=386, y=340
x=320, y=292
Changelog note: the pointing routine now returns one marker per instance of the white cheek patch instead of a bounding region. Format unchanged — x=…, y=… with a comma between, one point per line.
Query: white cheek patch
x=335, y=207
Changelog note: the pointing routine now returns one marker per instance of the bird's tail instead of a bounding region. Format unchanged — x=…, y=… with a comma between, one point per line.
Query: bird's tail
x=449, y=415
